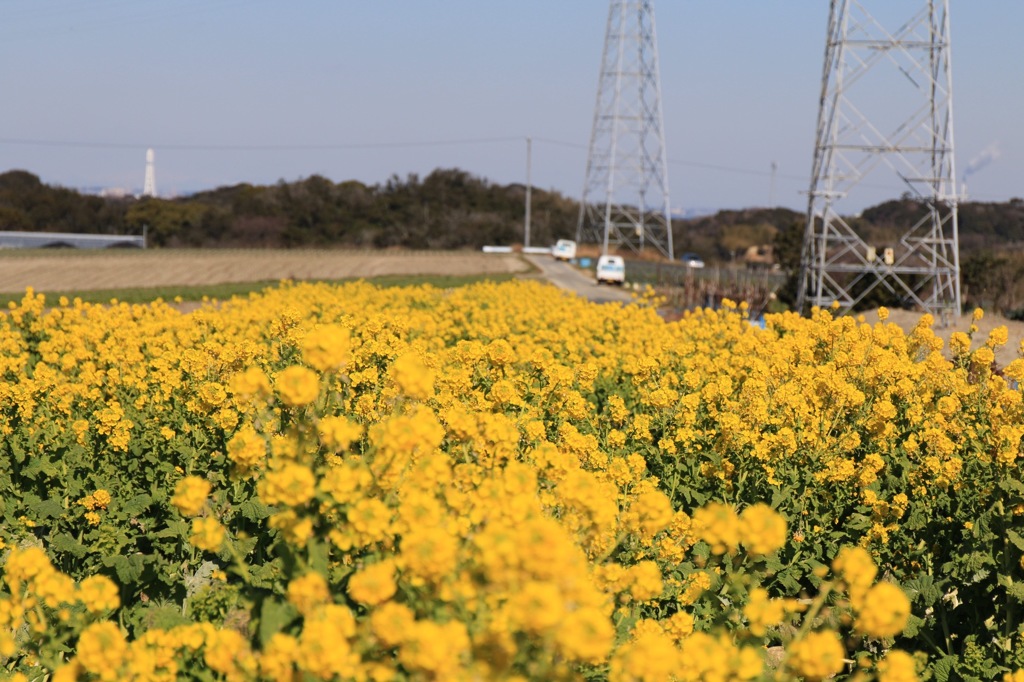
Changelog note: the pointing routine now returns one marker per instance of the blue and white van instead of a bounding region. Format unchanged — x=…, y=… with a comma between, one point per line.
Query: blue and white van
x=611, y=269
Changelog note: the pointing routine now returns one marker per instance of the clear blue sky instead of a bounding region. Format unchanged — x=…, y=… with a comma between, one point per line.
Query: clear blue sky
x=230, y=91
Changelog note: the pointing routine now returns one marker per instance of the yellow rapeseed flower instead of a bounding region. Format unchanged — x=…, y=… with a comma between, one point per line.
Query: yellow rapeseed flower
x=337, y=432
x=207, y=534
x=763, y=612
x=897, y=666
x=101, y=498
x=292, y=485
x=226, y=652
x=650, y=657
x=327, y=348
x=278, y=658
x=190, y=495
x=247, y=448
x=99, y=594
x=818, y=656
x=440, y=650
x=537, y=607
x=884, y=611
x=101, y=649
x=297, y=386
x=429, y=553
x=391, y=623
x=308, y=592
x=718, y=525
x=855, y=566
x=373, y=584
x=763, y=529
x=413, y=377
x=249, y=383
x=586, y=634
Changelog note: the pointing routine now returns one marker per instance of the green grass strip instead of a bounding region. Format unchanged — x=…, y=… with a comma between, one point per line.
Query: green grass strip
x=225, y=291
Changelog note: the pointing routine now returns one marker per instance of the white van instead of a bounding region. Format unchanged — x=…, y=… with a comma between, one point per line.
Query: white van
x=611, y=269
x=564, y=249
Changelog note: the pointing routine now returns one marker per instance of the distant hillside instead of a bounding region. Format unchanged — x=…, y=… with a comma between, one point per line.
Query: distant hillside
x=447, y=209
x=982, y=225
x=28, y=204
x=723, y=237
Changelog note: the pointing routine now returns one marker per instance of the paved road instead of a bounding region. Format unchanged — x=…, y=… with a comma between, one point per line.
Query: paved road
x=570, y=278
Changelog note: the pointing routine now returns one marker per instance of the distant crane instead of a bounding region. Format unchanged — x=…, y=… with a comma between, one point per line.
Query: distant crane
x=625, y=200
x=909, y=133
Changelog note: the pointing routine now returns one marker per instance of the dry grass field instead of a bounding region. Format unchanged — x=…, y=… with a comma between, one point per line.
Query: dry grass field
x=102, y=270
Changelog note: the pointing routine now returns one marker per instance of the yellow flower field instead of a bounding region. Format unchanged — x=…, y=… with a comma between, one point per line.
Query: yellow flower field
x=502, y=482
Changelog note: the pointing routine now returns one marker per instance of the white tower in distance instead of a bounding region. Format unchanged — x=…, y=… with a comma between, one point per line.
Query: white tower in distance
x=149, y=185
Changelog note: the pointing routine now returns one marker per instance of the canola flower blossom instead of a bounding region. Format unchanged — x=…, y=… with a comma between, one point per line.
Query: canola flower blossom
x=492, y=482
x=297, y=386
x=190, y=495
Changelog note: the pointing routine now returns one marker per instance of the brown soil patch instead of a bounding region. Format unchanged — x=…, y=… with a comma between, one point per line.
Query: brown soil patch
x=84, y=271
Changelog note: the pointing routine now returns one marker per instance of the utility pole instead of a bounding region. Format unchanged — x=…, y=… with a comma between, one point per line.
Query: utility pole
x=908, y=134
x=625, y=200
x=526, y=229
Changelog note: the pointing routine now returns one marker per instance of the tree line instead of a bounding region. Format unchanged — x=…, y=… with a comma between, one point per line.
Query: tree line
x=448, y=209
x=453, y=209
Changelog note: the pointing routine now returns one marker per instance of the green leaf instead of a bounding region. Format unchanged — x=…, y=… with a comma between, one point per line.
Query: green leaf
x=319, y=558
x=47, y=509
x=924, y=586
x=1015, y=538
x=161, y=616
x=916, y=521
x=773, y=564
x=780, y=496
x=263, y=576
x=790, y=581
x=33, y=468
x=137, y=505
x=128, y=568
x=913, y=626
x=243, y=546
x=253, y=510
x=858, y=522
x=1015, y=590
x=65, y=543
x=275, y=615
x=944, y=668
x=176, y=528
x=1012, y=485
x=17, y=450
x=978, y=576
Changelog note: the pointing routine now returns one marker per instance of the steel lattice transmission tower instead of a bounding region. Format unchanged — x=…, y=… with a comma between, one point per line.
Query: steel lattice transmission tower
x=886, y=106
x=625, y=195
